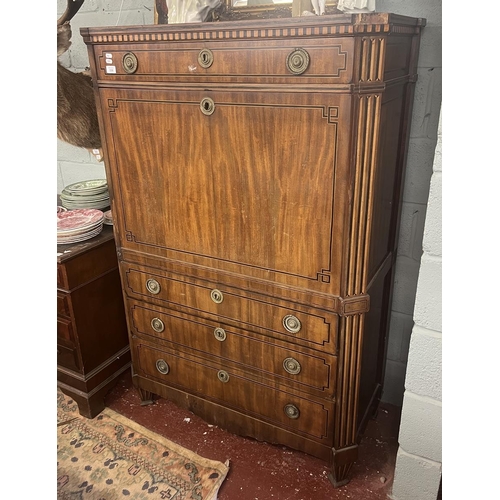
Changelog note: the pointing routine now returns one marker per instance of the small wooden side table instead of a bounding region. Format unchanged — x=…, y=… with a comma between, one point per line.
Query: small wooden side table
x=92, y=340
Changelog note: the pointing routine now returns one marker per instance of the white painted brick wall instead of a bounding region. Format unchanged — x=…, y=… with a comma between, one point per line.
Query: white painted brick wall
x=423, y=137
x=412, y=230
x=410, y=485
x=405, y=285
x=433, y=229
x=398, y=349
x=424, y=373
x=420, y=430
x=418, y=464
x=418, y=174
x=428, y=312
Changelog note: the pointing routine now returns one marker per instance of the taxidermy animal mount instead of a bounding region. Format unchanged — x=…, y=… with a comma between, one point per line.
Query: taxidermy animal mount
x=76, y=108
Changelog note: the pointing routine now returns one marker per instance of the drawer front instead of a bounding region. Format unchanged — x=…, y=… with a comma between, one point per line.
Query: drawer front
x=270, y=404
x=61, y=277
x=99, y=258
x=265, y=61
x=304, y=368
x=63, y=308
x=67, y=357
x=65, y=333
x=315, y=327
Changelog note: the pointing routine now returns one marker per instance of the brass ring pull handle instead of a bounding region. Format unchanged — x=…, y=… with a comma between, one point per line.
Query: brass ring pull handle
x=291, y=411
x=217, y=296
x=207, y=106
x=157, y=325
x=153, y=286
x=220, y=334
x=223, y=376
x=162, y=366
x=292, y=366
x=130, y=63
x=291, y=323
x=297, y=61
x=205, y=58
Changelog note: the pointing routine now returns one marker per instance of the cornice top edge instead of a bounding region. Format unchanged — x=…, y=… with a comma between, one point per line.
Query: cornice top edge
x=331, y=25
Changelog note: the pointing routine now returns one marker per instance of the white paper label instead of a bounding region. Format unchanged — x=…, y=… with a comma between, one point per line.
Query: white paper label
x=110, y=69
x=109, y=61
x=109, y=56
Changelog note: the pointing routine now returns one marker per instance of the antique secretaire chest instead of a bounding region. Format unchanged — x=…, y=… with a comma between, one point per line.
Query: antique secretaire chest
x=255, y=171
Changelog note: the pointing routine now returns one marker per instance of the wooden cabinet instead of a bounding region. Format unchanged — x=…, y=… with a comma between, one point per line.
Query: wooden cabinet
x=256, y=172
x=92, y=341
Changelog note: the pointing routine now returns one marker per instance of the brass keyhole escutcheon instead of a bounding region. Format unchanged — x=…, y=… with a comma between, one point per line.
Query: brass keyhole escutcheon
x=223, y=376
x=129, y=63
x=205, y=58
x=220, y=334
x=153, y=286
x=162, y=366
x=207, y=106
x=291, y=411
x=157, y=325
x=297, y=61
x=291, y=323
x=292, y=366
x=216, y=296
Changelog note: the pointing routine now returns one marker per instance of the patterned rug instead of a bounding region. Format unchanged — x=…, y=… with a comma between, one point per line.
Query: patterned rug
x=110, y=457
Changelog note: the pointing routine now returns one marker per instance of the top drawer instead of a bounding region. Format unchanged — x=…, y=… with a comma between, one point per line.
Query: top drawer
x=263, y=62
x=81, y=268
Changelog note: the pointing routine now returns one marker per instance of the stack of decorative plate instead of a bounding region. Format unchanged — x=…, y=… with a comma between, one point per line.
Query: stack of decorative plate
x=86, y=194
x=78, y=225
x=108, y=218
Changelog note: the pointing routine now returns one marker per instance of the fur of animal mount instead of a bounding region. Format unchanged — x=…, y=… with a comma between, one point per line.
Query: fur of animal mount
x=76, y=108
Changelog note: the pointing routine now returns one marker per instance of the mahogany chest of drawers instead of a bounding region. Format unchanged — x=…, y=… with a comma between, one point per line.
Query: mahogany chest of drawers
x=255, y=171
x=92, y=341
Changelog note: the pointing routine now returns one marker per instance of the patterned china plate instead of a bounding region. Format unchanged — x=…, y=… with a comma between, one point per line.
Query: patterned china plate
x=80, y=197
x=108, y=218
x=78, y=232
x=64, y=240
x=90, y=204
x=86, y=186
x=80, y=218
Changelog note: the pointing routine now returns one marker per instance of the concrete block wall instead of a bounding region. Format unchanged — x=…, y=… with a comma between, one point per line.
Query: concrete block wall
x=423, y=139
x=418, y=464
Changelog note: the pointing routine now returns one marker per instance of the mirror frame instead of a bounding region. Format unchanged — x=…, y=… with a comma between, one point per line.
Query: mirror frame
x=294, y=8
x=226, y=12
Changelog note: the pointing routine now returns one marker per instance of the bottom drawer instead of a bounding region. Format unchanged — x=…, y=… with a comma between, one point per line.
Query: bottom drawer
x=300, y=415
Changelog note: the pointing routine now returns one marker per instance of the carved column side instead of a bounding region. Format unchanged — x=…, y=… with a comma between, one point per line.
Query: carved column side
x=365, y=160
x=351, y=328
x=372, y=59
x=345, y=446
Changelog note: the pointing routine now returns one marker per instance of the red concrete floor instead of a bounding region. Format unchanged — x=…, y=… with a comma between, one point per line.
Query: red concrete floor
x=260, y=471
